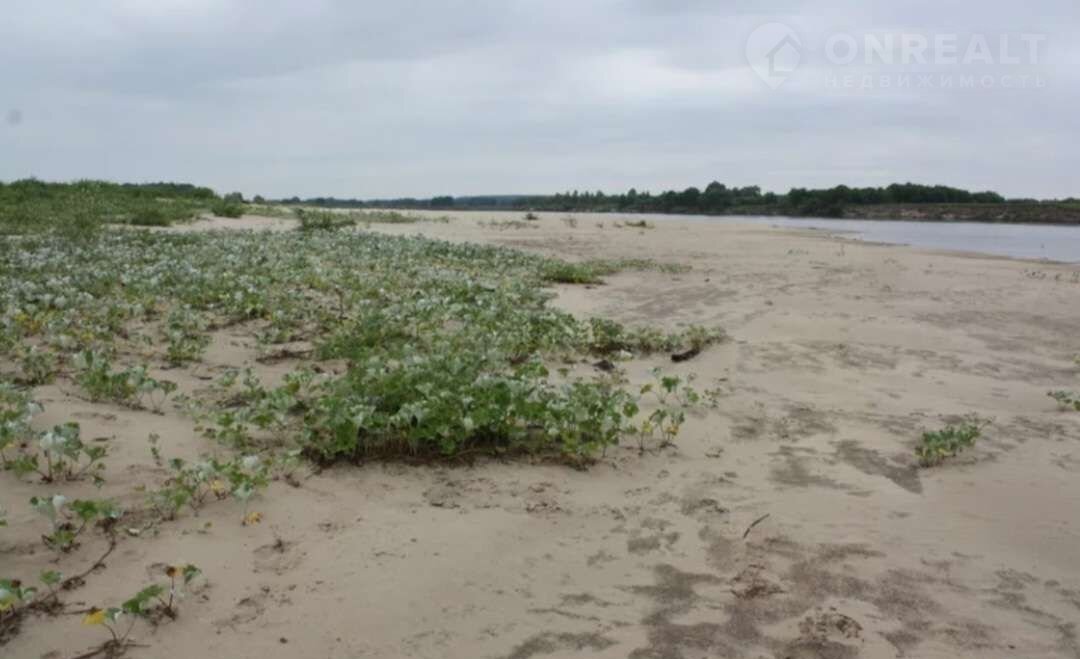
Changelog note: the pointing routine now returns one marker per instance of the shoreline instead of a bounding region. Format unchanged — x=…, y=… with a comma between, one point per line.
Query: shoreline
x=797, y=498
x=784, y=222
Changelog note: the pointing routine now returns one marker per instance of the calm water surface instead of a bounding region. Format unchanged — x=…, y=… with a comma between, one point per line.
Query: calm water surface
x=1027, y=241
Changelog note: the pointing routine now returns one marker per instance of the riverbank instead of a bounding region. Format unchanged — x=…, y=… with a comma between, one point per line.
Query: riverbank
x=789, y=520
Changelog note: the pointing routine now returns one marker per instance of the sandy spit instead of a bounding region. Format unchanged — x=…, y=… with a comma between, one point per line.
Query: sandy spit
x=841, y=354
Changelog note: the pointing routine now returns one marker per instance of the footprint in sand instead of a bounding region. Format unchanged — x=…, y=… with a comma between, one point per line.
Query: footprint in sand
x=278, y=557
x=247, y=610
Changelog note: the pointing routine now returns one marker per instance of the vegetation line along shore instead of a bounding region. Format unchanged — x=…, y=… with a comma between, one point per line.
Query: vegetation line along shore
x=907, y=201
x=29, y=203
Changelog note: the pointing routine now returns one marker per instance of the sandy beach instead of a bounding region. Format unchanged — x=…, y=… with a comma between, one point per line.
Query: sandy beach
x=791, y=521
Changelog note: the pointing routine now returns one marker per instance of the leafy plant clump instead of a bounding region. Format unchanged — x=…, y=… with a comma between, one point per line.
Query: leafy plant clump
x=153, y=604
x=185, y=337
x=324, y=220
x=69, y=519
x=17, y=409
x=227, y=208
x=59, y=454
x=442, y=346
x=80, y=207
x=55, y=455
x=131, y=386
x=591, y=272
x=939, y=445
x=194, y=484
x=395, y=217
x=1066, y=400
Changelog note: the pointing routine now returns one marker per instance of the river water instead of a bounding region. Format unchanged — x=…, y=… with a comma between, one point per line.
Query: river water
x=1027, y=241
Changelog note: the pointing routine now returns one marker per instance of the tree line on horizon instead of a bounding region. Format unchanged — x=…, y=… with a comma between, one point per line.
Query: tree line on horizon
x=34, y=198
x=715, y=199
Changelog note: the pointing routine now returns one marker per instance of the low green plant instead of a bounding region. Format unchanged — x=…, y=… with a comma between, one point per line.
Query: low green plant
x=69, y=520
x=938, y=445
x=153, y=604
x=185, y=336
x=61, y=455
x=227, y=208
x=155, y=449
x=563, y=272
x=39, y=366
x=451, y=405
x=592, y=272
x=132, y=387
x=272, y=210
x=323, y=220
x=16, y=599
x=150, y=216
x=13, y=595
x=435, y=348
x=1066, y=400
x=394, y=217
x=17, y=409
x=193, y=484
x=673, y=397
x=607, y=337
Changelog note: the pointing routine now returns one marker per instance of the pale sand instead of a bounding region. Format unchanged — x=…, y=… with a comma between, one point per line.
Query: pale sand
x=841, y=354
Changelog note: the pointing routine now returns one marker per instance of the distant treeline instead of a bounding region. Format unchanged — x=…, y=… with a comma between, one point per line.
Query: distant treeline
x=31, y=205
x=33, y=189
x=715, y=199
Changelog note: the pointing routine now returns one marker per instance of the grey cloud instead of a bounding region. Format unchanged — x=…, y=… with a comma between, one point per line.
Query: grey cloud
x=419, y=98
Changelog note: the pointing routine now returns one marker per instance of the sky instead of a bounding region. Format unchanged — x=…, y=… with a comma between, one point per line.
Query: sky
x=421, y=98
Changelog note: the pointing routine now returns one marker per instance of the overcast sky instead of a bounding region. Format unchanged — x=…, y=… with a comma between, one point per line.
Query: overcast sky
x=365, y=99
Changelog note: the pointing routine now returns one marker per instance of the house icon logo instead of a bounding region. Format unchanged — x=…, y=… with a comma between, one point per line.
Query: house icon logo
x=774, y=51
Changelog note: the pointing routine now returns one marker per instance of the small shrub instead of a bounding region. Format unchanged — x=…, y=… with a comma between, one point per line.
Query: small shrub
x=938, y=445
x=38, y=366
x=185, y=340
x=12, y=595
x=68, y=520
x=153, y=604
x=1066, y=400
x=231, y=209
x=321, y=220
x=17, y=409
x=563, y=272
x=150, y=216
x=394, y=217
x=61, y=455
x=502, y=225
x=131, y=387
x=194, y=484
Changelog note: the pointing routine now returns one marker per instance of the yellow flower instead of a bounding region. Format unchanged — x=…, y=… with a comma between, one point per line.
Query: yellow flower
x=252, y=518
x=95, y=617
x=219, y=487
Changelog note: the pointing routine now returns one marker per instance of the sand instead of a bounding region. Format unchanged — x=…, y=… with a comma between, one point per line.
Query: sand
x=841, y=354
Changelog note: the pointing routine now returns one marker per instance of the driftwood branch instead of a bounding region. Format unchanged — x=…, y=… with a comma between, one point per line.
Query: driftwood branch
x=757, y=521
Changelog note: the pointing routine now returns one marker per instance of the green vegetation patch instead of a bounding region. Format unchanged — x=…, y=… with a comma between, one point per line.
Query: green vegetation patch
x=30, y=205
x=938, y=445
x=447, y=347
